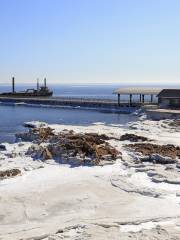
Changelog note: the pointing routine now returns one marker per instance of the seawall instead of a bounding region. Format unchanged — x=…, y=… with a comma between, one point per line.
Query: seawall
x=160, y=114
x=104, y=104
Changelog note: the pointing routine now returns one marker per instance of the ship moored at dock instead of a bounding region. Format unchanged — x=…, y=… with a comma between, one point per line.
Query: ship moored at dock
x=41, y=91
x=104, y=104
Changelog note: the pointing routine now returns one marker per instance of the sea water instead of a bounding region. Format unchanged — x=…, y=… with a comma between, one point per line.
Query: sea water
x=12, y=116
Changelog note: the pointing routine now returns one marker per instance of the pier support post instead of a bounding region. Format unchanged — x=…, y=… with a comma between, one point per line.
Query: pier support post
x=140, y=98
x=151, y=98
x=37, y=84
x=45, y=83
x=119, y=100
x=130, y=99
x=13, y=84
x=143, y=98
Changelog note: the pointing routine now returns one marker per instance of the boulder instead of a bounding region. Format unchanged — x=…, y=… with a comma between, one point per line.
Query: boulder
x=36, y=134
x=174, y=123
x=156, y=158
x=2, y=147
x=35, y=151
x=133, y=138
x=178, y=165
x=34, y=124
x=46, y=154
x=27, y=136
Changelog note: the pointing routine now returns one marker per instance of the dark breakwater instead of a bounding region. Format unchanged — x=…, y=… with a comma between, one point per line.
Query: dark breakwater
x=105, y=104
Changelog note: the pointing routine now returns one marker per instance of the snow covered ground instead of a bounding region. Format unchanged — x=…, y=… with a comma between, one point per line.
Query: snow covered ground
x=52, y=201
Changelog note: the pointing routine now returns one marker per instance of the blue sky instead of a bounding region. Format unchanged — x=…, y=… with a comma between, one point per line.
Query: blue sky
x=90, y=41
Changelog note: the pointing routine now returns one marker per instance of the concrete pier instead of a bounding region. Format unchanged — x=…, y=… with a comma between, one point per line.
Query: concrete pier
x=74, y=102
x=142, y=92
x=160, y=114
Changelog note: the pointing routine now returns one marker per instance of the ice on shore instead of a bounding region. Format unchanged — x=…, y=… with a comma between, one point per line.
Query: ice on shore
x=55, y=201
x=35, y=124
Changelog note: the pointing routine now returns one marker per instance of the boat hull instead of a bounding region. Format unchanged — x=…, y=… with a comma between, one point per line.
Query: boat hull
x=26, y=95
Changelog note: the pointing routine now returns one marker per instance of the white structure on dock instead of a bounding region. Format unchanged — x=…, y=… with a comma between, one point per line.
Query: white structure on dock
x=141, y=91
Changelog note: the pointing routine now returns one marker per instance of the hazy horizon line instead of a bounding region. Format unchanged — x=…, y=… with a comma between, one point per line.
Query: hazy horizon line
x=90, y=83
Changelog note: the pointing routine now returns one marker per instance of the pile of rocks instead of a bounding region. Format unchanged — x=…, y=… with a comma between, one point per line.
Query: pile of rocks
x=133, y=138
x=175, y=123
x=163, y=154
x=2, y=147
x=36, y=134
x=73, y=148
x=9, y=173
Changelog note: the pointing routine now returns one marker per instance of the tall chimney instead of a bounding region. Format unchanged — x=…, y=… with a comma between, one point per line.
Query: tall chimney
x=37, y=84
x=13, y=84
x=45, y=82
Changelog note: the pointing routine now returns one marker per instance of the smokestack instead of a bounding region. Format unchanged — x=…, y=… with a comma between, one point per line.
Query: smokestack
x=38, y=84
x=13, y=84
x=45, y=82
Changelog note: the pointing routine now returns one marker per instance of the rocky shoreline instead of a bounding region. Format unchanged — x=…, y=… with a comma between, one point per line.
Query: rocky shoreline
x=69, y=147
x=82, y=174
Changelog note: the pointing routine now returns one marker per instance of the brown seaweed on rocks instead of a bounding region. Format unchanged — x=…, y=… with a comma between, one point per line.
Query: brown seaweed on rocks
x=70, y=147
x=9, y=173
x=36, y=134
x=163, y=154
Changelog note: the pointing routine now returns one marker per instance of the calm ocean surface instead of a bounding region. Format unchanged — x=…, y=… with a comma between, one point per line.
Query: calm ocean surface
x=13, y=116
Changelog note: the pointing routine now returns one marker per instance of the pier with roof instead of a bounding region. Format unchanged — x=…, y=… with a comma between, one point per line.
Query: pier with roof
x=142, y=92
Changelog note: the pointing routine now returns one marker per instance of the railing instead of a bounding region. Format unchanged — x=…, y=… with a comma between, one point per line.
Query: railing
x=77, y=100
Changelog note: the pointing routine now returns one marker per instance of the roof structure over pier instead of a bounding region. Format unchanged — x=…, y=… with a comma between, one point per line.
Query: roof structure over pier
x=141, y=91
x=138, y=90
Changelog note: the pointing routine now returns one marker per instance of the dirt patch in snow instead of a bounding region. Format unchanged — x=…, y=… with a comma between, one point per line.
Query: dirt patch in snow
x=9, y=173
x=147, y=149
x=133, y=138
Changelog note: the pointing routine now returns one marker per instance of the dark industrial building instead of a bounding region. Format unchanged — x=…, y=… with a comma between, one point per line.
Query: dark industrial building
x=169, y=98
